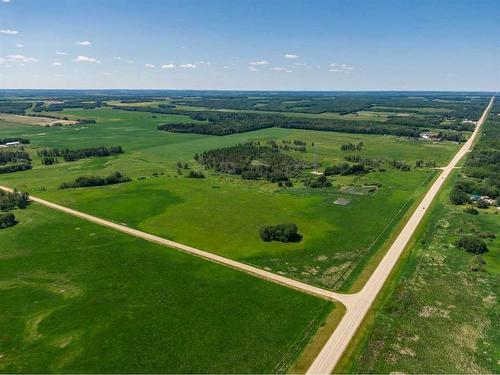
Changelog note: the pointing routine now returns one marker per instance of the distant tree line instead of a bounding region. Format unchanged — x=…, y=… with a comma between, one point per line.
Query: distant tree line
x=23, y=141
x=14, y=107
x=88, y=181
x=84, y=103
x=49, y=155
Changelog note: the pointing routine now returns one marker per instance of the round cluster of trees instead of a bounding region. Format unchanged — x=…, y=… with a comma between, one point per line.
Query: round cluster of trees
x=7, y=219
x=281, y=232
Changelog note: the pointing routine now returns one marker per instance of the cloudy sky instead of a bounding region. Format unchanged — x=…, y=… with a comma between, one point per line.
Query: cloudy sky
x=250, y=44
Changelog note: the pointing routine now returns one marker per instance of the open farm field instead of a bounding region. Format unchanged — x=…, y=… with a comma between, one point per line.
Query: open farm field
x=78, y=297
x=223, y=213
x=33, y=120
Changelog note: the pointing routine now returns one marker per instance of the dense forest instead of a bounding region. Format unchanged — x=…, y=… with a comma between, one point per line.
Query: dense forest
x=14, y=107
x=454, y=106
x=50, y=155
x=252, y=161
x=72, y=103
x=226, y=123
x=88, y=181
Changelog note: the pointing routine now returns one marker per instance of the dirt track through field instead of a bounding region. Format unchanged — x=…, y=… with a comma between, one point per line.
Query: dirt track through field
x=310, y=289
x=357, y=304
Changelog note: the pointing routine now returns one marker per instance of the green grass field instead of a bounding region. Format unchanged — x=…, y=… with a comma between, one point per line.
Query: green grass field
x=439, y=316
x=223, y=214
x=77, y=297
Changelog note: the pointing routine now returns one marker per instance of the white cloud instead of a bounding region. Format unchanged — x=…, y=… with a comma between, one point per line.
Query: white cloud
x=9, y=32
x=56, y=63
x=168, y=66
x=344, y=68
x=6, y=1
x=19, y=45
x=84, y=43
x=290, y=56
x=253, y=69
x=299, y=64
x=203, y=63
x=189, y=66
x=280, y=69
x=117, y=58
x=2, y=60
x=21, y=59
x=151, y=66
x=130, y=62
x=260, y=62
x=86, y=59
x=61, y=53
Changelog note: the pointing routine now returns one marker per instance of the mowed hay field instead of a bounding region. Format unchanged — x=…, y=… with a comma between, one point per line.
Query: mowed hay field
x=222, y=213
x=438, y=316
x=77, y=297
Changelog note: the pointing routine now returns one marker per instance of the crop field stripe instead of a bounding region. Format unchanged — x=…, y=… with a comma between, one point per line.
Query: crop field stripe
x=362, y=301
x=254, y=271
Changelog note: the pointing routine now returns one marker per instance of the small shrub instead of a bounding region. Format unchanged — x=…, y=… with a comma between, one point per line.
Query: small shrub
x=195, y=174
x=477, y=264
x=471, y=210
x=482, y=204
x=471, y=244
x=7, y=220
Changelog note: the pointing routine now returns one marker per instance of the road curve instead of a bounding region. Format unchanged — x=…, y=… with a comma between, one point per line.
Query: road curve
x=360, y=303
x=258, y=272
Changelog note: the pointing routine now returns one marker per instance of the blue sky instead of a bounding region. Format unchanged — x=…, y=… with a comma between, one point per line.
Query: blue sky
x=251, y=45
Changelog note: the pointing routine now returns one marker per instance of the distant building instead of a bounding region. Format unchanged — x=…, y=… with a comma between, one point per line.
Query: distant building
x=427, y=135
x=12, y=144
x=469, y=122
x=342, y=202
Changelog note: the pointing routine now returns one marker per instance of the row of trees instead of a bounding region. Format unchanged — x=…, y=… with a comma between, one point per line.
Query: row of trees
x=14, y=160
x=88, y=181
x=352, y=146
x=14, y=156
x=48, y=155
x=345, y=169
